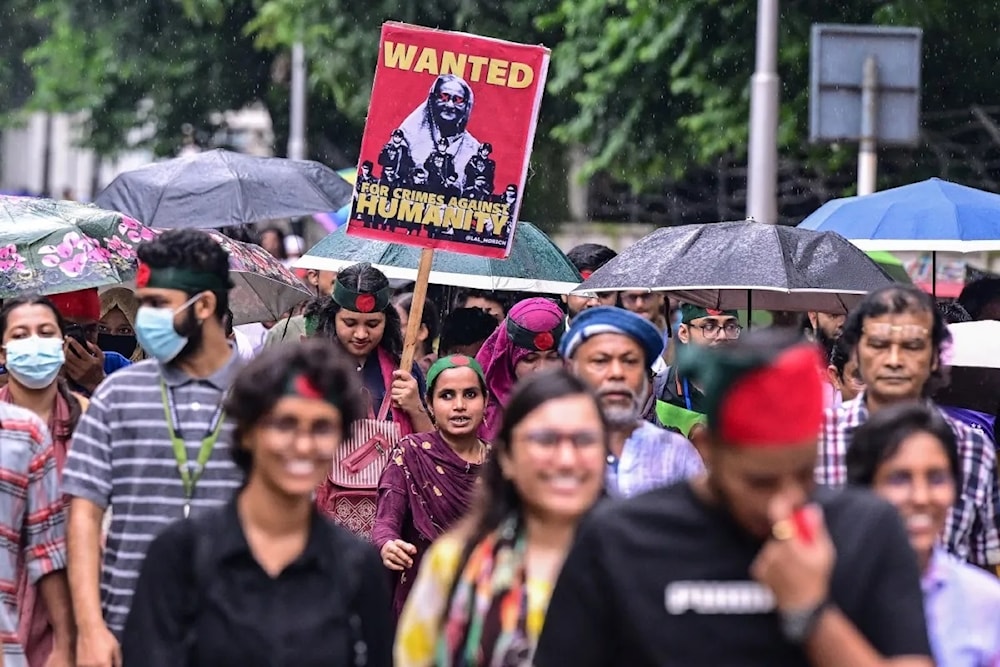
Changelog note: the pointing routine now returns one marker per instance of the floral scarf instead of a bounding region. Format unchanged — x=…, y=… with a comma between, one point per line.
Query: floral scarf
x=485, y=622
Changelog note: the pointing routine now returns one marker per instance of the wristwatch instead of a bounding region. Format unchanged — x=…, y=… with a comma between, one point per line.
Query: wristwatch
x=798, y=624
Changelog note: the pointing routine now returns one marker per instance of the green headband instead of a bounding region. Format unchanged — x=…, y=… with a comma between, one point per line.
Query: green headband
x=536, y=341
x=185, y=280
x=690, y=313
x=453, y=361
x=361, y=302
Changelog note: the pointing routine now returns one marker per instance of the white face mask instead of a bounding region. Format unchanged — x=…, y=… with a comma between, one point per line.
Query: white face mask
x=35, y=362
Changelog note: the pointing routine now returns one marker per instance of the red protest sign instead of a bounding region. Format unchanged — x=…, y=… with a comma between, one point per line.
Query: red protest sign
x=446, y=145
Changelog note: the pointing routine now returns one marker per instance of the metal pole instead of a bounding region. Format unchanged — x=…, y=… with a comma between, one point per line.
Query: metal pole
x=868, y=150
x=762, y=168
x=297, y=105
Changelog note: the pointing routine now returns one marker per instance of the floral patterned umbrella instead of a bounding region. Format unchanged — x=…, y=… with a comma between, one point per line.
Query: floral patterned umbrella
x=48, y=247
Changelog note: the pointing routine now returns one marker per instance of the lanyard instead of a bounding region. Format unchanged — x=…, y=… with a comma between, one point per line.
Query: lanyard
x=185, y=467
x=687, y=395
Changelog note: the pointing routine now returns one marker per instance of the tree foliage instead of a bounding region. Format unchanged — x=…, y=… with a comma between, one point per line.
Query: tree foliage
x=149, y=66
x=658, y=86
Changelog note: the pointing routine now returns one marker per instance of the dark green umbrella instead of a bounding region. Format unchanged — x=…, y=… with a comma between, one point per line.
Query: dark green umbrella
x=891, y=264
x=535, y=263
x=48, y=246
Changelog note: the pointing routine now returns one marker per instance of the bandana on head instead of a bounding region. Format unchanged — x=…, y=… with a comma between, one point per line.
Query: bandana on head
x=361, y=302
x=185, y=280
x=690, y=313
x=538, y=323
x=83, y=304
x=452, y=361
x=535, y=341
x=300, y=385
x=607, y=319
x=767, y=399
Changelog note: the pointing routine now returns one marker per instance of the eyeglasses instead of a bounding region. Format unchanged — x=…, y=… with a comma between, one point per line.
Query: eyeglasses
x=454, y=99
x=711, y=328
x=288, y=429
x=550, y=439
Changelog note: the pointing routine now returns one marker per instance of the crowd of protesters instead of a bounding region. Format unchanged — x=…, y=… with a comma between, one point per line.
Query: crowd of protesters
x=617, y=479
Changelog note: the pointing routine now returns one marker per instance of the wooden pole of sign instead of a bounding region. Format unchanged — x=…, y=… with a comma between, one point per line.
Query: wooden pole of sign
x=416, y=308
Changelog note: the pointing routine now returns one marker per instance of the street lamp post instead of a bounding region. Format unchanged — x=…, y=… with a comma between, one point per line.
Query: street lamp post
x=297, y=105
x=762, y=167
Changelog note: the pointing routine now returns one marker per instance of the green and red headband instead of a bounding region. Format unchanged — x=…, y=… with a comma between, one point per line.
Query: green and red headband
x=299, y=385
x=772, y=399
x=453, y=361
x=185, y=280
x=536, y=341
x=361, y=302
x=690, y=313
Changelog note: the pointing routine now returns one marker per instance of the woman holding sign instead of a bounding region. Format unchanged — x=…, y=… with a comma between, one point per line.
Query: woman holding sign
x=361, y=318
x=527, y=341
x=428, y=483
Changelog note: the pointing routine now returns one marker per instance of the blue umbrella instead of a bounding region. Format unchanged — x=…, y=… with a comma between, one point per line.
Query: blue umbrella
x=929, y=216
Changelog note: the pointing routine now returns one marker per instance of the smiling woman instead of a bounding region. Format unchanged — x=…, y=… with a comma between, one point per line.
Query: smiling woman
x=233, y=587
x=545, y=472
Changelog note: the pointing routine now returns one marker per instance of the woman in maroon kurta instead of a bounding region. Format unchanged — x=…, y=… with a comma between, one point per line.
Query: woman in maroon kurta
x=427, y=485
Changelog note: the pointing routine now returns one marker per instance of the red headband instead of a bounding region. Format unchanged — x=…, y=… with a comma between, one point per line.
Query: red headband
x=778, y=405
x=80, y=305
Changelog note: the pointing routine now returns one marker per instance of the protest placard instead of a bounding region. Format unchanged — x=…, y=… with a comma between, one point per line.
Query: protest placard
x=447, y=140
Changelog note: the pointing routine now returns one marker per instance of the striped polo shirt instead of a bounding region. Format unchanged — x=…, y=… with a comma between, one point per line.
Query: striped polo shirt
x=121, y=458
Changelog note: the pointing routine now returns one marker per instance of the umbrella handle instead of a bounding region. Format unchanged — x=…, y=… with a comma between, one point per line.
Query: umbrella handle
x=416, y=309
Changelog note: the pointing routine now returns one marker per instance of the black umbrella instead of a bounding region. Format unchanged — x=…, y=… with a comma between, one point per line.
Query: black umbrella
x=737, y=265
x=220, y=188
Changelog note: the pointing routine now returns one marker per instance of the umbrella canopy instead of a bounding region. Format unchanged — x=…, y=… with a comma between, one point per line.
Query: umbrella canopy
x=49, y=247
x=220, y=188
x=932, y=215
x=892, y=265
x=974, y=344
x=722, y=265
x=535, y=263
x=263, y=289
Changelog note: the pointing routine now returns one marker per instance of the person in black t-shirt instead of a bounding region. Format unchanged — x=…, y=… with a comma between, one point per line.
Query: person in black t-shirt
x=750, y=565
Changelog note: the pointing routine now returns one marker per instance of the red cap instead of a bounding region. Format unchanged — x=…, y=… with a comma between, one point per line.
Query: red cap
x=83, y=304
x=778, y=405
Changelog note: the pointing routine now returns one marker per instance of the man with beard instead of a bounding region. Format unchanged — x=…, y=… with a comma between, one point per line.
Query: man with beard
x=680, y=403
x=587, y=258
x=751, y=564
x=153, y=446
x=612, y=350
x=444, y=116
x=396, y=154
x=482, y=164
x=826, y=328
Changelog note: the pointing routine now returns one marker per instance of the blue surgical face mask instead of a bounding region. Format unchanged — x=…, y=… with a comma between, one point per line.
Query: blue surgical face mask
x=154, y=327
x=35, y=362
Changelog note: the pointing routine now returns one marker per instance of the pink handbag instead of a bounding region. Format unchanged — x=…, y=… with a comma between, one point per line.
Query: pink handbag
x=350, y=491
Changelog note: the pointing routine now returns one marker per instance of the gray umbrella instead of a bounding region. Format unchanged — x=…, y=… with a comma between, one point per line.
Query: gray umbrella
x=723, y=265
x=220, y=188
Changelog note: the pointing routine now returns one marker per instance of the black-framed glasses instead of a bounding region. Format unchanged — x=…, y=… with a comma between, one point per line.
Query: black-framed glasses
x=711, y=328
